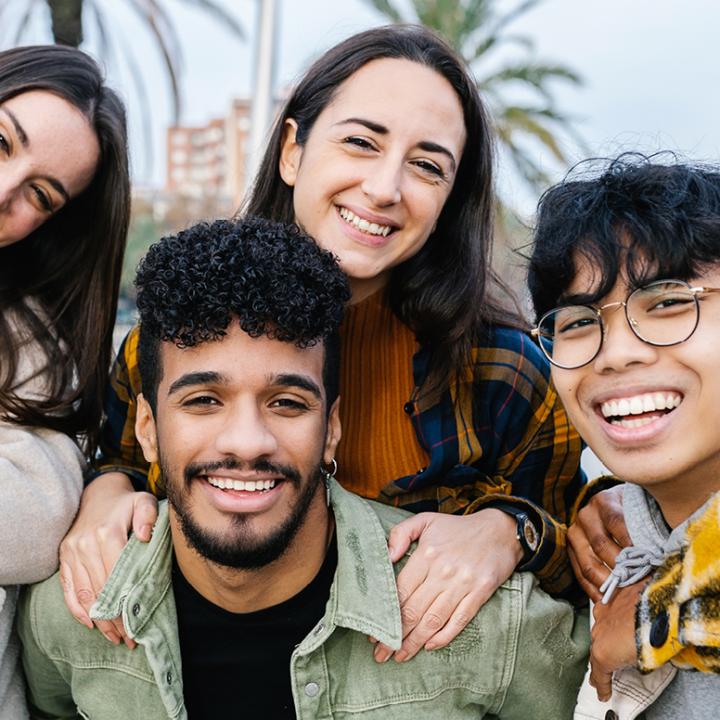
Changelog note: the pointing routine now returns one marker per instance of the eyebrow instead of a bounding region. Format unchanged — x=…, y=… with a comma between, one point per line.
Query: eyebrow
x=18, y=127
x=207, y=377
x=25, y=142
x=299, y=381
x=426, y=145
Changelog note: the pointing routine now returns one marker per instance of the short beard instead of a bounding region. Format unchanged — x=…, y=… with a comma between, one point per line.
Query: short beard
x=240, y=549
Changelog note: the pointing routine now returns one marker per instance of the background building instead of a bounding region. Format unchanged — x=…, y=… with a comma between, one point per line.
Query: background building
x=210, y=160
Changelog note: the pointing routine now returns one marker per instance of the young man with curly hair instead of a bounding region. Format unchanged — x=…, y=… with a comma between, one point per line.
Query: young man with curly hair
x=625, y=279
x=263, y=579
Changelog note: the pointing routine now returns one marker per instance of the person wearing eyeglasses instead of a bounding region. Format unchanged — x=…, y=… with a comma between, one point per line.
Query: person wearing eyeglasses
x=625, y=282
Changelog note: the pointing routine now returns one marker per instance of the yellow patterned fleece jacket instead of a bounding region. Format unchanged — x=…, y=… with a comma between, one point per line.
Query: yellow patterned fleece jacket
x=678, y=615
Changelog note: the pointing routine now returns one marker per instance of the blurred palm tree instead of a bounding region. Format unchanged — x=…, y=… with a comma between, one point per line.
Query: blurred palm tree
x=476, y=29
x=70, y=18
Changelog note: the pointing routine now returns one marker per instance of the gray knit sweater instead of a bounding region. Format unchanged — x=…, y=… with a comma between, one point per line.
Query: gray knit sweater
x=40, y=485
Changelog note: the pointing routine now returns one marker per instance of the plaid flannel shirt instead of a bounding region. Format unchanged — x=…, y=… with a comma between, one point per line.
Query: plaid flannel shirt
x=498, y=437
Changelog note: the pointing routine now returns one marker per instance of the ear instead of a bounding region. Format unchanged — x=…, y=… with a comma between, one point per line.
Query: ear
x=333, y=433
x=290, y=153
x=145, y=429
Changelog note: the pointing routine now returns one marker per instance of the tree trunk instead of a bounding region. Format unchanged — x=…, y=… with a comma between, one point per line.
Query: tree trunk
x=66, y=21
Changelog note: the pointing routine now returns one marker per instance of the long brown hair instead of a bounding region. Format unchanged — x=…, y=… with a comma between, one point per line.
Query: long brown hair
x=61, y=282
x=443, y=292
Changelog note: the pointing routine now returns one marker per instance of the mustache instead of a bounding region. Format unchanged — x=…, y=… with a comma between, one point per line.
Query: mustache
x=288, y=472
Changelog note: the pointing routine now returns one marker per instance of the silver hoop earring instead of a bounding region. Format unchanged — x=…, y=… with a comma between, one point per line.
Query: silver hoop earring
x=327, y=475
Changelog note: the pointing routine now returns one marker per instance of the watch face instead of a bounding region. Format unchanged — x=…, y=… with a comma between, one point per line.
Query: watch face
x=530, y=534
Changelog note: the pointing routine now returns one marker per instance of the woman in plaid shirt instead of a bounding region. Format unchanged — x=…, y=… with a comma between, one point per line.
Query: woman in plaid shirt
x=384, y=154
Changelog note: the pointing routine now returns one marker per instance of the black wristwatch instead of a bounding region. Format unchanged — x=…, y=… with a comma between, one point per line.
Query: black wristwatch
x=527, y=534
x=525, y=530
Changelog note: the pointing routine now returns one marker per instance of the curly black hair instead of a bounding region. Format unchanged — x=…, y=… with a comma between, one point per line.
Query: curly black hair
x=647, y=217
x=269, y=276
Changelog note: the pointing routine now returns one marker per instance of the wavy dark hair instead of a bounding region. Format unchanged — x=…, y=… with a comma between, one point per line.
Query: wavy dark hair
x=644, y=217
x=61, y=282
x=270, y=277
x=442, y=293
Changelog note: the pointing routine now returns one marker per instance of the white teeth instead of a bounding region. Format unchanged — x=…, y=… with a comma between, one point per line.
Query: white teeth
x=634, y=423
x=247, y=485
x=636, y=405
x=364, y=225
x=639, y=404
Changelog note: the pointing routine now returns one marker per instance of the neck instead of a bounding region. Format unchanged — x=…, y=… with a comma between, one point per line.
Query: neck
x=362, y=288
x=250, y=590
x=674, y=500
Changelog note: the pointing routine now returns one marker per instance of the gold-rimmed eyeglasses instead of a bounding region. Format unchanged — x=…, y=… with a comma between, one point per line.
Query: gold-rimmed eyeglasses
x=662, y=313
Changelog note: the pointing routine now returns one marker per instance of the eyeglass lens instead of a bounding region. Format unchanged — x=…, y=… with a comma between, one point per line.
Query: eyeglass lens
x=662, y=313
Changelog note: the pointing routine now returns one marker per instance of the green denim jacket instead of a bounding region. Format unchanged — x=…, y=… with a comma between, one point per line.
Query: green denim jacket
x=523, y=656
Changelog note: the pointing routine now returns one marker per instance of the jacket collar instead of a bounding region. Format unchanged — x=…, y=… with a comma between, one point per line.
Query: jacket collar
x=363, y=596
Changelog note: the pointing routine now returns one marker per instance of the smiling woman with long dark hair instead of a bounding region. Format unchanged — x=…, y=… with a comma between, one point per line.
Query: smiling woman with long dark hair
x=383, y=154
x=64, y=207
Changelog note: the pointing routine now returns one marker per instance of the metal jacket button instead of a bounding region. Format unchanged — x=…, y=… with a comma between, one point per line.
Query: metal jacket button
x=312, y=689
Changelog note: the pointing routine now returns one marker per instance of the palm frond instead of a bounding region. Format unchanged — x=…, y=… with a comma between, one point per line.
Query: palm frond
x=165, y=38
x=386, y=8
x=109, y=52
x=24, y=22
x=527, y=121
x=483, y=46
x=534, y=74
x=221, y=15
x=511, y=16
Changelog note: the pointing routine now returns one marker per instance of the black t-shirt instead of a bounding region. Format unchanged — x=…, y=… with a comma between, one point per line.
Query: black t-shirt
x=237, y=665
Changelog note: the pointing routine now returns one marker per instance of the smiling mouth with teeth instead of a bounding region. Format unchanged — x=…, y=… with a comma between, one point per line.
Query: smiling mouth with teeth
x=363, y=225
x=639, y=410
x=246, y=485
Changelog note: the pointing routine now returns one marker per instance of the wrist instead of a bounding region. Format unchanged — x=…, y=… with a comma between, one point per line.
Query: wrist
x=526, y=532
x=507, y=532
x=110, y=483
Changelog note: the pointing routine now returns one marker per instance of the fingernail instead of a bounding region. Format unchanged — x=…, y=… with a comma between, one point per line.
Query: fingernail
x=430, y=646
x=131, y=644
x=381, y=654
x=146, y=531
x=401, y=656
x=112, y=637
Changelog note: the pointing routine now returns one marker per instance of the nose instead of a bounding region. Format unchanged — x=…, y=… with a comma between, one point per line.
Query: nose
x=245, y=434
x=11, y=182
x=8, y=188
x=622, y=348
x=382, y=182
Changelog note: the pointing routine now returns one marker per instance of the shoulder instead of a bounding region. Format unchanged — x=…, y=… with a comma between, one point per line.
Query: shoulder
x=511, y=375
x=44, y=617
x=504, y=346
x=387, y=515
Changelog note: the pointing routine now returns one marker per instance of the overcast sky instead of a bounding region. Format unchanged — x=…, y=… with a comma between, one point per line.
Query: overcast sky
x=650, y=67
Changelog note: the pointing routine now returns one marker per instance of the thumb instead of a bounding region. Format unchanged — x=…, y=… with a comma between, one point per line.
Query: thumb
x=404, y=534
x=144, y=515
x=602, y=682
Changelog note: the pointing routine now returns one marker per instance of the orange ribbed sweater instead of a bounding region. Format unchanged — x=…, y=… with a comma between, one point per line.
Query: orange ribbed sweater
x=376, y=380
